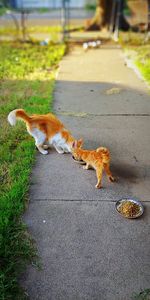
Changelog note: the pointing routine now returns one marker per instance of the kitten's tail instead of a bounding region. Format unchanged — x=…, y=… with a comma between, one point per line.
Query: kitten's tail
x=105, y=154
x=17, y=113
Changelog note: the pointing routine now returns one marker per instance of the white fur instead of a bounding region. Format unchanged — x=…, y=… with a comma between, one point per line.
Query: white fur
x=57, y=139
x=40, y=138
x=12, y=117
x=59, y=143
x=38, y=135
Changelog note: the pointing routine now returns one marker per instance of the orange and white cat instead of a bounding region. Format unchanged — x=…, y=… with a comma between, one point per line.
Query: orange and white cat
x=46, y=130
x=98, y=159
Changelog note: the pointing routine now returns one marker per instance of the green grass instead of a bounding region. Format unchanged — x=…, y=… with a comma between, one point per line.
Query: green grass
x=52, y=32
x=27, y=75
x=35, y=33
x=90, y=7
x=144, y=295
x=2, y=11
x=137, y=49
x=142, y=61
x=132, y=39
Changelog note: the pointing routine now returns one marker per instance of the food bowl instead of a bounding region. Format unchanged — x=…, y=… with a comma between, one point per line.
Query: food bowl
x=129, y=208
x=81, y=162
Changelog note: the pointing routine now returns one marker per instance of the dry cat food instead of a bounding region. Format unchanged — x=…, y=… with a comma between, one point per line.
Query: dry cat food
x=129, y=209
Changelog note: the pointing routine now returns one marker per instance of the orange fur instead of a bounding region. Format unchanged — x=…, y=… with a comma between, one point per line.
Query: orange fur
x=47, y=123
x=98, y=159
x=45, y=129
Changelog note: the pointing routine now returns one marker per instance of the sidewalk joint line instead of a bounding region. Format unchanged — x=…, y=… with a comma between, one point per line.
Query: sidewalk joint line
x=71, y=200
x=84, y=115
x=78, y=200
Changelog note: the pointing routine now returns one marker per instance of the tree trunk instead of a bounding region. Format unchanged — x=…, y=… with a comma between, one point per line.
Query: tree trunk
x=103, y=14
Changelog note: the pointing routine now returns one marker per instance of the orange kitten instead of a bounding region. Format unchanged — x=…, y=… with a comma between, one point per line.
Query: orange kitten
x=45, y=129
x=98, y=159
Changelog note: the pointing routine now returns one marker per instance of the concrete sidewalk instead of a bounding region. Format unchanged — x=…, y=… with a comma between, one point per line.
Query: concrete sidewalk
x=88, y=251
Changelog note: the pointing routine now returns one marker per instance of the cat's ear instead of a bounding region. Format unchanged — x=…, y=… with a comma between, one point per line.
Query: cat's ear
x=80, y=143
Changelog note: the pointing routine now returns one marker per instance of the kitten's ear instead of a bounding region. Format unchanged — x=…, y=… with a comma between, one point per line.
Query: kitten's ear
x=80, y=143
x=74, y=144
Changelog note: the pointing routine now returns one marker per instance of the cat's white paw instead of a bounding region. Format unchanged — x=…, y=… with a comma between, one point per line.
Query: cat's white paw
x=59, y=150
x=85, y=167
x=44, y=152
x=98, y=186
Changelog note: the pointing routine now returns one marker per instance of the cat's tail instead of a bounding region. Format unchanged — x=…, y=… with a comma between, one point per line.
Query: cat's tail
x=18, y=113
x=105, y=154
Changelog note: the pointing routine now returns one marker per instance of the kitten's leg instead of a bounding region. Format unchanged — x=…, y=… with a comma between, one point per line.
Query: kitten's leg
x=108, y=172
x=59, y=149
x=99, y=171
x=86, y=167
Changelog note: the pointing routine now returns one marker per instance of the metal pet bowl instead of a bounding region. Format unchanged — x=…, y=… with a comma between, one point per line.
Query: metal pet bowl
x=138, y=203
x=81, y=162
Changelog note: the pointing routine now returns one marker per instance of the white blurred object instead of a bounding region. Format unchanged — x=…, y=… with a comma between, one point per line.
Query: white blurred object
x=91, y=44
x=115, y=36
x=85, y=46
x=94, y=45
x=98, y=43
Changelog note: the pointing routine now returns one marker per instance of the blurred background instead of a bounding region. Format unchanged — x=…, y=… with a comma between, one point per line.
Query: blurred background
x=57, y=20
